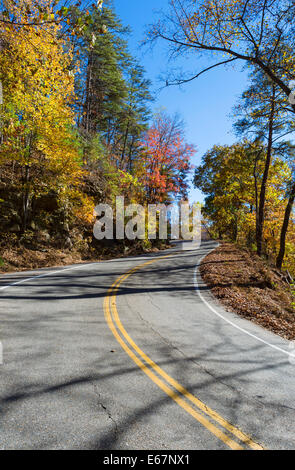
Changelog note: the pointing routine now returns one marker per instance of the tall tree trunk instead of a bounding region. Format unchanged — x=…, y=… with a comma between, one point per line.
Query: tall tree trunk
x=256, y=192
x=26, y=198
x=130, y=154
x=125, y=144
x=257, y=157
x=86, y=121
x=280, y=257
x=25, y=182
x=260, y=218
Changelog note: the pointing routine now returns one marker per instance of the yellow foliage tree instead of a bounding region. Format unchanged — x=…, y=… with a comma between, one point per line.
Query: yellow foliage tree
x=36, y=116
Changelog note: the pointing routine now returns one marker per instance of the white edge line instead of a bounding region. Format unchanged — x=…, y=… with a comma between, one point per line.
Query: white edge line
x=226, y=319
x=46, y=274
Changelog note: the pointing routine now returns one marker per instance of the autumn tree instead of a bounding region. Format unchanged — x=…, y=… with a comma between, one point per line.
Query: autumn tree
x=41, y=13
x=258, y=32
x=166, y=160
x=263, y=114
x=228, y=176
x=38, y=143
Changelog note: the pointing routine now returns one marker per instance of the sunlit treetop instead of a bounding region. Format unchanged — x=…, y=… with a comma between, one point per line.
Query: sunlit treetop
x=260, y=32
x=40, y=12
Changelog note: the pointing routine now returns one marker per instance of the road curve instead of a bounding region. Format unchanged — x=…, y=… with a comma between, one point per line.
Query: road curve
x=135, y=354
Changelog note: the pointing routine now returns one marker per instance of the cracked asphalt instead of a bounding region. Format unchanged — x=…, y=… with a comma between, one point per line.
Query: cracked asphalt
x=66, y=383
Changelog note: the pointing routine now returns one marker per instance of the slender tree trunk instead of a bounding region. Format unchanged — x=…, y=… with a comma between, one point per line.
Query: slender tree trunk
x=257, y=156
x=235, y=233
x=260, y=218
x=26, y=180
x=130, y=154
x=280, y=257
x=26, y=197
x=86, y=122
x=256, y=193
x=125, y=143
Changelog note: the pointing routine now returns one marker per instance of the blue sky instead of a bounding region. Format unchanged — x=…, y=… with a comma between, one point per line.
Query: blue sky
x=206, y=103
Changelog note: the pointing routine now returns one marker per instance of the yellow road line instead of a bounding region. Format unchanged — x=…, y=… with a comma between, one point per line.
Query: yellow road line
x=111, y=314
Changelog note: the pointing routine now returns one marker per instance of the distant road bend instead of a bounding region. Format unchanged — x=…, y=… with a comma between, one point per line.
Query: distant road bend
x=135, y=353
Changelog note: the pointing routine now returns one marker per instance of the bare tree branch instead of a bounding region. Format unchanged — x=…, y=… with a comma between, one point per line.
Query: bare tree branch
x=180, y=82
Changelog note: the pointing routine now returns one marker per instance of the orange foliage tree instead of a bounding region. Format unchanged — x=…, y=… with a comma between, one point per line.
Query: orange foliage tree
x=166, y=159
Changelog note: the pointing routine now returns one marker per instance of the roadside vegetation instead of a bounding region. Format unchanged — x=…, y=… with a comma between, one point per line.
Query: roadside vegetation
x=76, y=130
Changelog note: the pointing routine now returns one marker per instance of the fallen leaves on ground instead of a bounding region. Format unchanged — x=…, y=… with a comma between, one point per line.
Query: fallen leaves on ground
x=247, y=285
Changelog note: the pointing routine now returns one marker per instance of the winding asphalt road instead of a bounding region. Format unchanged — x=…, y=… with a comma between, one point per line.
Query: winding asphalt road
x=135, y=354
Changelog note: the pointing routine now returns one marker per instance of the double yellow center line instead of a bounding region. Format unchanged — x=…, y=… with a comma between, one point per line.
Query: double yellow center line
x=222, y=429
